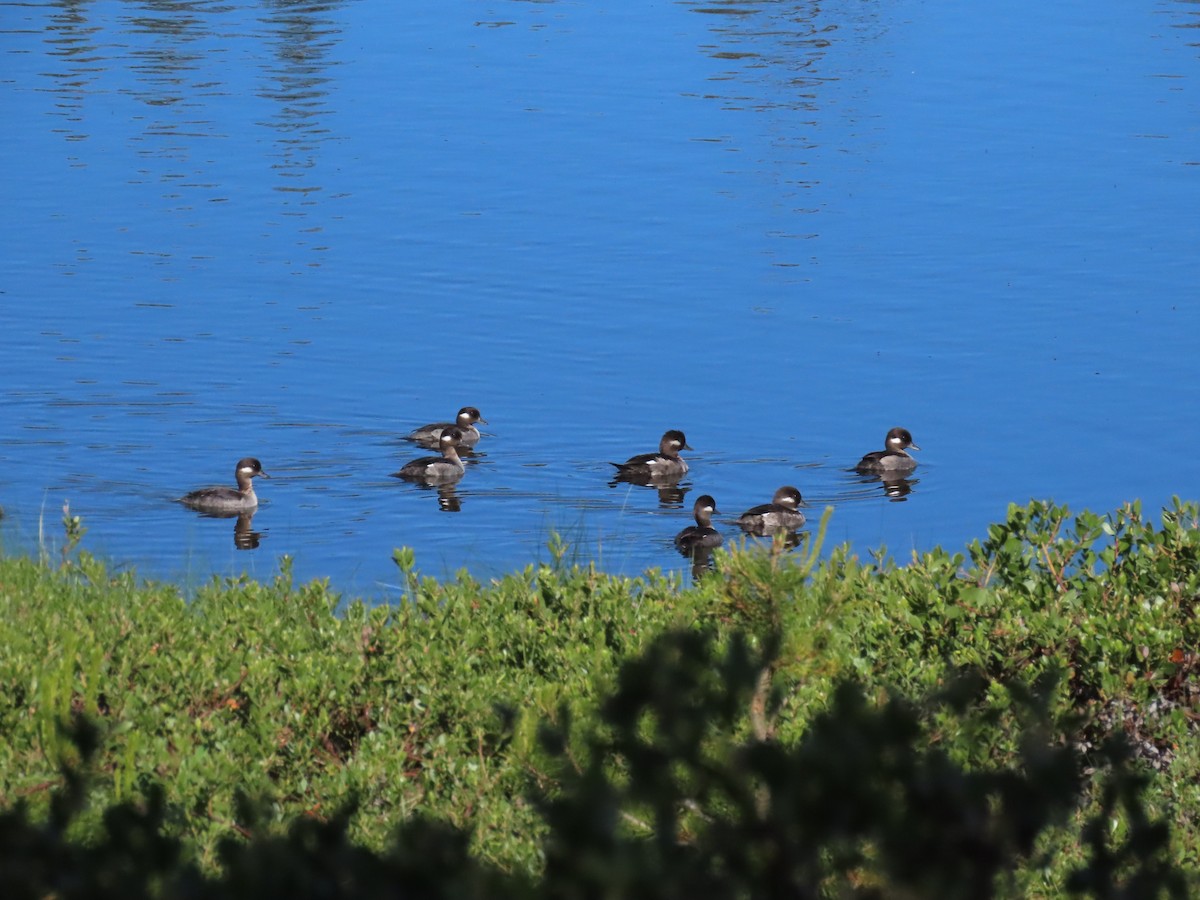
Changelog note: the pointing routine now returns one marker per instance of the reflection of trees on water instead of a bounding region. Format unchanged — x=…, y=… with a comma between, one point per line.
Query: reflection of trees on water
x=72, y=48
x=775, y=48
x=1188, y=12
x=302, y=35
x=183, y=62
x=767, y=43
x=162, y=67
x=778, y=59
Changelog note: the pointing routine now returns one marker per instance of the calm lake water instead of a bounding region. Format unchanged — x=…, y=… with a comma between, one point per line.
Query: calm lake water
x=298, y=230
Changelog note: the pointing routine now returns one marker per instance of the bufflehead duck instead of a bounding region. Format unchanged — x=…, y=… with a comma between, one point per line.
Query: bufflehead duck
x=701, y=535
x=666, y=463
x=781, y=514
x=430, y=435
x=434, y=469
x=227, y=499
x=893, y=458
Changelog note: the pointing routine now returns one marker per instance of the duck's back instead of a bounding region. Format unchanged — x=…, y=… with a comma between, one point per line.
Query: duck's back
x=219, y=499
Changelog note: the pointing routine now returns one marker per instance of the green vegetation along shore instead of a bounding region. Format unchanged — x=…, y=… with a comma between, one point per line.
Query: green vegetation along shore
x=814, y=721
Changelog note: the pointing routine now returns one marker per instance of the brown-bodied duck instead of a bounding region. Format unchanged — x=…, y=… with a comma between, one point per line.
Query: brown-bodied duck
x=666, y=463
x=430, y=435
x=437, y=469
x=227, y=499
x=781, y=514
x=892, y=458
x=702, y=535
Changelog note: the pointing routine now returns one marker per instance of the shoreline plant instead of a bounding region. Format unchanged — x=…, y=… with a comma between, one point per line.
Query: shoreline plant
x=486, y=710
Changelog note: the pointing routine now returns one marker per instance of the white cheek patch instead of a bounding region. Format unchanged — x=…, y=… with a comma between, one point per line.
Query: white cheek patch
x=246, y=470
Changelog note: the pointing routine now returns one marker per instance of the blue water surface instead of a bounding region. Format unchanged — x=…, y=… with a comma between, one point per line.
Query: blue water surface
x=298, y=230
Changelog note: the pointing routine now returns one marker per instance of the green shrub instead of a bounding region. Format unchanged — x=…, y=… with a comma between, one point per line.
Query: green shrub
x=432, y=708
x=670, y=803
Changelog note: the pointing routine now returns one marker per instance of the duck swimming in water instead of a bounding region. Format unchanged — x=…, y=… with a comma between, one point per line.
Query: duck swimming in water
x=227, y=499
x=892, y=458
x=437, y=469
x=666, y=463
x=781, y=514
x=701, y=536
x=430, y=435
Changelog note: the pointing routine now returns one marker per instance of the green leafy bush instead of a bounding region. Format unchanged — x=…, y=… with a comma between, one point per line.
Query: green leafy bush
x=670, y=804
x=437, y=708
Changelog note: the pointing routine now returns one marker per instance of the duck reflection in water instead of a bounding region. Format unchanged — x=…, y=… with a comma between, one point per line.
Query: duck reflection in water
x=244, y=535
x=447, y=494
x=897, y=487
x=696, y=542
x=670, y=495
